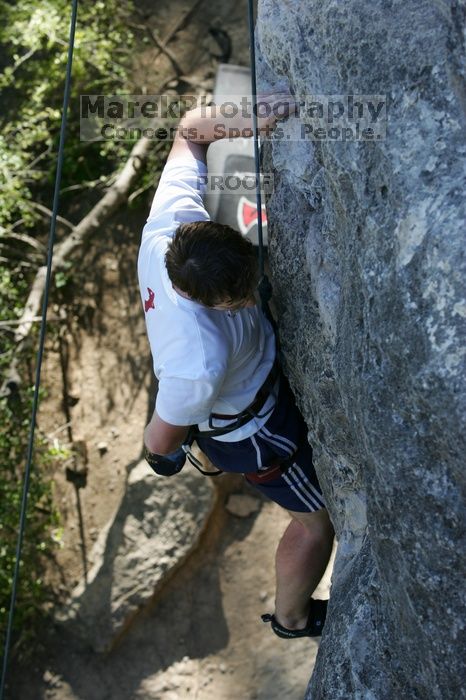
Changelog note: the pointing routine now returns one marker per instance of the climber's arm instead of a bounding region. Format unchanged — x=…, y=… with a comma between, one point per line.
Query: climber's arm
x=163, y=438
x=203, y=125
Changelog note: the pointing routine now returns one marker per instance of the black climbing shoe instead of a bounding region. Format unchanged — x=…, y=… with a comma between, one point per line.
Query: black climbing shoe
x=314, y=625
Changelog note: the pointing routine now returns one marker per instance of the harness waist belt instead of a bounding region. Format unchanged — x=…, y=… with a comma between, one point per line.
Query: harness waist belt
x=260, y=398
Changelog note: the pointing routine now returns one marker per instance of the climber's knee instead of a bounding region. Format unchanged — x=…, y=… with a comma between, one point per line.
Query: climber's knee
x=316, y=525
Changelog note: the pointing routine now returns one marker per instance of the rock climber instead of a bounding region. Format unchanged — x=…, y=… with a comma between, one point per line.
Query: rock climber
x=215, y=358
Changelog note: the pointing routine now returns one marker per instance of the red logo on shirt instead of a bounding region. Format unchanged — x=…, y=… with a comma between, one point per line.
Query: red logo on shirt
x=149, y=303
x=247, y=215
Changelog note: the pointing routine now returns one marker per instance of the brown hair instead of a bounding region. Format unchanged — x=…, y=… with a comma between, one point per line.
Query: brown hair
x=212, y=263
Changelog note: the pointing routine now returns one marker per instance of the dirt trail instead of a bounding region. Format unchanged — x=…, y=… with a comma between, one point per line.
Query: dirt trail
x=204, y=638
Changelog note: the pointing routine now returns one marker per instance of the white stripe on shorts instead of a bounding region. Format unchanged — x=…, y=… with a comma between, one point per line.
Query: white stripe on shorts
x=301, y=497
x=279, y=437
x=295, y=472
x=258, y=452
x=275, y=442
x=308, y=482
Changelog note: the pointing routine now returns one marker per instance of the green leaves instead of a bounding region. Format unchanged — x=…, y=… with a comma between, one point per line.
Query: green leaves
x=34, y=36
x=42, y=516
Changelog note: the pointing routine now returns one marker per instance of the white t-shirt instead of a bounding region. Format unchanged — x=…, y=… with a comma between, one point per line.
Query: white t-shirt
x=205, y=360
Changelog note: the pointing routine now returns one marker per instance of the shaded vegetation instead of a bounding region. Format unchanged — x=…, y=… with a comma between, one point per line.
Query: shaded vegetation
x=34, y=43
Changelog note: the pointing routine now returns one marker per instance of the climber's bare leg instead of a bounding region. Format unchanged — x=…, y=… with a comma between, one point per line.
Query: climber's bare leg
x=301, y=559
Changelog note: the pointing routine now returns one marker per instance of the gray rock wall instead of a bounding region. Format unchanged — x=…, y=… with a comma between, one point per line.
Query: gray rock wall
x=367, y=251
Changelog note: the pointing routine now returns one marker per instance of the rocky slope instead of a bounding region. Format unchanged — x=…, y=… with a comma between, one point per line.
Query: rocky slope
x=367, y=251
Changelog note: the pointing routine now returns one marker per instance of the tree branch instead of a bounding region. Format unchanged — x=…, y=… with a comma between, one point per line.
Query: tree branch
x=179, y=24
x=116, y=195
x=160, y=45
x=112, y=199
x=47, y=211
x=22, y=60
x=24, y=238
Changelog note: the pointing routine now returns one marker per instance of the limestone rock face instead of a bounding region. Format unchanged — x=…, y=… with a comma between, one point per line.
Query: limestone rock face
x=367, y=249
x=156, y=526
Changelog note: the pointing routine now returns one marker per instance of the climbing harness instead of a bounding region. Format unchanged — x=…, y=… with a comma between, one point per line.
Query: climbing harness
x=250, y=412
x=198, y=464
x=40, y=352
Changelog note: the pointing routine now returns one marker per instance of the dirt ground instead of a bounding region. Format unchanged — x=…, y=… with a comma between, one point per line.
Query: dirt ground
x=204, y=638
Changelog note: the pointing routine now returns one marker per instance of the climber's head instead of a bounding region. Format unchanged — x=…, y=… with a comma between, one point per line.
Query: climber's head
x=213, y=264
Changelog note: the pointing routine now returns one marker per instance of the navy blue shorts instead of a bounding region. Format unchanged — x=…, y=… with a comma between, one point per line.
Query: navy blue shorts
x=283, y=438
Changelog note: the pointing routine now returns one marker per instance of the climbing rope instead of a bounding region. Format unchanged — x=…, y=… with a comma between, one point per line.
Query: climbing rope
x=255, y=136
x=40, y=352
x=265, y=288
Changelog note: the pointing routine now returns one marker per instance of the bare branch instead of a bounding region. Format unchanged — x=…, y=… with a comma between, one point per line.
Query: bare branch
x=116, y=195
x=38, y=158
x=138, y=192
x=160, y=45
x=24, y=238
x=45, y=210
x=13, y=226
x=112, y=199
x=88, y=184
x=179, y=24
x=22, y=60
x=35, y=319
x=23, y=263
